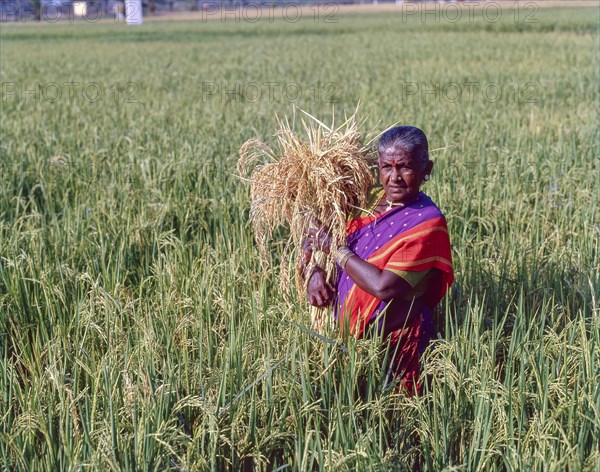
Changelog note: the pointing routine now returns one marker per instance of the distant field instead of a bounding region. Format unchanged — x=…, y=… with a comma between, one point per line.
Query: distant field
x=137, y=330
x=447, y=10
x=327, y=11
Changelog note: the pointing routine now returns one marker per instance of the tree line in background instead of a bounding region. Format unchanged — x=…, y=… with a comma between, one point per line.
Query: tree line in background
x=56, y=10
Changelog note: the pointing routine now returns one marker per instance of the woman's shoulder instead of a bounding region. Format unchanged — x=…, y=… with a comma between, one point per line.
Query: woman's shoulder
x=373, y=197
x=374, y=194
x=425, y=203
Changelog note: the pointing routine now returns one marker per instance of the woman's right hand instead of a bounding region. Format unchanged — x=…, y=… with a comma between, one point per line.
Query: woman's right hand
x=320, y=293
x=307, y=250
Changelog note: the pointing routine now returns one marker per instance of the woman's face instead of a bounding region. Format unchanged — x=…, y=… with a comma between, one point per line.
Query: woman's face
x=401, y=174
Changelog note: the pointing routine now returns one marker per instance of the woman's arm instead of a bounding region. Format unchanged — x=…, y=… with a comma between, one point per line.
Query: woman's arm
x=382, y=284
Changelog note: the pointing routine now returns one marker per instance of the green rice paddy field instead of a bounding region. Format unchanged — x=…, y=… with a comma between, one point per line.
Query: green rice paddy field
x=137, y=330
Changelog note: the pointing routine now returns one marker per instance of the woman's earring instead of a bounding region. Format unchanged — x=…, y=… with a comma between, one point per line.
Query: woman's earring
x=426, y=178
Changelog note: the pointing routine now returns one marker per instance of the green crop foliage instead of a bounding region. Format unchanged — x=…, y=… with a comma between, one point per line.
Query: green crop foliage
x=137, y=329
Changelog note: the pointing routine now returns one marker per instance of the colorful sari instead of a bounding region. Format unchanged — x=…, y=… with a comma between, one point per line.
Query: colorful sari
x=412, y=241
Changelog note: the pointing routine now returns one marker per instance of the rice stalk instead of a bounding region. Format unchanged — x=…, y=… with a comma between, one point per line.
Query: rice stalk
x=321, y=176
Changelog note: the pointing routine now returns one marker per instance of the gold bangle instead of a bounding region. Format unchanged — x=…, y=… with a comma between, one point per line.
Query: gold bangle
x=345, y=260
x=339, y=254
x=342, y=255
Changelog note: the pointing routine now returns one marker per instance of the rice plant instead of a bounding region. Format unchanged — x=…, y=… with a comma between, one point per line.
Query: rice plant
x=138, y=330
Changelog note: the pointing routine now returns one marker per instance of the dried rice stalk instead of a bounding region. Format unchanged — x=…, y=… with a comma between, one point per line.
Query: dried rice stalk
x=325, y=176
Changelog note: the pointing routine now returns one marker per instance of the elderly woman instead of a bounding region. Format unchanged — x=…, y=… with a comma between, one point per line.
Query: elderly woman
x=396, y=265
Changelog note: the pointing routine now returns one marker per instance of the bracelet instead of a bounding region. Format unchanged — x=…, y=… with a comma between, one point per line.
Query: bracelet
x=342, y=255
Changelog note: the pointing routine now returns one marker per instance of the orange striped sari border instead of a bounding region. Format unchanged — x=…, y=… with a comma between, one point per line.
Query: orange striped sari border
x=401, y=265
x=365, y=319
x=395, y=244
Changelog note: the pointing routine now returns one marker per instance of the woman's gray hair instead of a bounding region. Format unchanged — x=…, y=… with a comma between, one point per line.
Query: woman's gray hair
x=408, y=139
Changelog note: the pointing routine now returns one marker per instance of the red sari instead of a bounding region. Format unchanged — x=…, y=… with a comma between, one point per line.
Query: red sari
x=412, y=241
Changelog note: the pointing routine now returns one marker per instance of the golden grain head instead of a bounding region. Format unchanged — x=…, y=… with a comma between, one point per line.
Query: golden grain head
x=324, y=174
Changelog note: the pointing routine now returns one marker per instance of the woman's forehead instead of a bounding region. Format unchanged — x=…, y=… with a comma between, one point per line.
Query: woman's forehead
x=396, y=154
